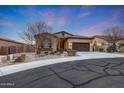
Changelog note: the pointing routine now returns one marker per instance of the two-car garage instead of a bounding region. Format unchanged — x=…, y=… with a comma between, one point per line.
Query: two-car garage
x=81, y=46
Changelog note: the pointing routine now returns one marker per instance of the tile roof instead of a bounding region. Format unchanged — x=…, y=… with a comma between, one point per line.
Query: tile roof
x=9, y=40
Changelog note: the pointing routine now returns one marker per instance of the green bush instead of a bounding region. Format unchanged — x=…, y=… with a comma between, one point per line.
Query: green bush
x=46, y=53
x=55, y=51
x=60, y=50
x=110, y=49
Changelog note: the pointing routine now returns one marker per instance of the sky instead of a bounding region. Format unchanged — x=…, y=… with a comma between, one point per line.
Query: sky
x=77, y=19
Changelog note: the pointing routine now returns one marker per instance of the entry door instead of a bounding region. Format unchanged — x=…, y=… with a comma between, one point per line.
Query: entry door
x=62, y=43
x=80, y=46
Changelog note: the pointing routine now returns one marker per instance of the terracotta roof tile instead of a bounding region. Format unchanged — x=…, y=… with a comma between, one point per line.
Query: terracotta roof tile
x=9, y=40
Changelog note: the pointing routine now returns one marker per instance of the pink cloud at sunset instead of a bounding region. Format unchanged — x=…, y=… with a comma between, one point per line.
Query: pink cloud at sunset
x=84, y=14
x=97, y=28
x=78, y=19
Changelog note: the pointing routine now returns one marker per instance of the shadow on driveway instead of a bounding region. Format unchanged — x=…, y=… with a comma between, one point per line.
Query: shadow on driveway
x=106, y=72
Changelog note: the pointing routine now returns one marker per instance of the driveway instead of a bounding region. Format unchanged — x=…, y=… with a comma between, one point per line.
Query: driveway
x=106, y=72
x=34, y=64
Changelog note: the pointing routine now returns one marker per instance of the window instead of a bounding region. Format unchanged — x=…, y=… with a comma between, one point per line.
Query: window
x=12, y=49
x=46, y=43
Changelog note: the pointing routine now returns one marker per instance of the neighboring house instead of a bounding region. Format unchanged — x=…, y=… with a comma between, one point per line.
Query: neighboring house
x=64, y=40
x=99, y=43
x=8, y=46
x=120, y=44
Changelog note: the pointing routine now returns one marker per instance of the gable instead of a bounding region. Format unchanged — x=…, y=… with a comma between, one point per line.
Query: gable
x=63, y=34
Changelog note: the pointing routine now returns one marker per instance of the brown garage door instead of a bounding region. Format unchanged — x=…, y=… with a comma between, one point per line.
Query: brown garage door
x=80, y=46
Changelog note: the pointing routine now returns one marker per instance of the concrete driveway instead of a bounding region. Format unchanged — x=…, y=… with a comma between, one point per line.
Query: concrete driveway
x=99, y=73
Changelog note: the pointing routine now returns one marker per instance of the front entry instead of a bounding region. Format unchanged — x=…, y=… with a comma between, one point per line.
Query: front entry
x=62, y=43
x=81, y=46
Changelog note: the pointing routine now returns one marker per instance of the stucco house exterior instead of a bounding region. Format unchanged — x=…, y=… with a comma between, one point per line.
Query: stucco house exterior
x=53, y=42
x=64, y=40
x=9, y=46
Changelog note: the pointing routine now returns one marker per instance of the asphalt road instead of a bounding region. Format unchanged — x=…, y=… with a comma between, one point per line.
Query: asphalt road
x=98, y=73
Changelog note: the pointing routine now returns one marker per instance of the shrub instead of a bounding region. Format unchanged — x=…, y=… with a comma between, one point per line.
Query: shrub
x=20, y=58
x=52, y=53
x=71, y=52
x=60, y=50
x=121, y=50
x=110, y=49
x=55, y=51
x=46, y=53
x=101, y=49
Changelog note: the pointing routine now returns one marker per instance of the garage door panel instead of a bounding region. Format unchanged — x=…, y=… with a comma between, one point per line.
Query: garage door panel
x=80, y=46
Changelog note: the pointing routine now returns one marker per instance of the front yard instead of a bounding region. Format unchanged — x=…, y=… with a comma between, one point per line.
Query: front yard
x=35, y=62
x=32, y=57
x=98, y=73
x=29, y=57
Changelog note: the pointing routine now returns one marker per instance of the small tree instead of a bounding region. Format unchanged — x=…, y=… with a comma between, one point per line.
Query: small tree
x=112, y=35
x=34, y=29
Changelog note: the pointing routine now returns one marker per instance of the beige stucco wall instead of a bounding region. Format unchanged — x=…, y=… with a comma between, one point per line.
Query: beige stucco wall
x=6, y=44
x=101, y=43
x=70, y=41
x=54, y=44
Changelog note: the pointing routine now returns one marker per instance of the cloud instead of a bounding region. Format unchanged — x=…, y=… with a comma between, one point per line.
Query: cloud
x=118, y=13
x=6, y=24
x=6, y=21
x=62, y=21
x=52, y=18
x=84, y=14
x=46, y=13
x=97, y=28
x=48, y=16
x=9, y=23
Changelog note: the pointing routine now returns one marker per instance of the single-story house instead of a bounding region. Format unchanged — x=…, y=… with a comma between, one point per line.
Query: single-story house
x=64, y=40
x=53, y=42
x=8, y=46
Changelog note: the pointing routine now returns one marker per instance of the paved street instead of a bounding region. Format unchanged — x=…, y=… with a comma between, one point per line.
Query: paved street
x=97, y=73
